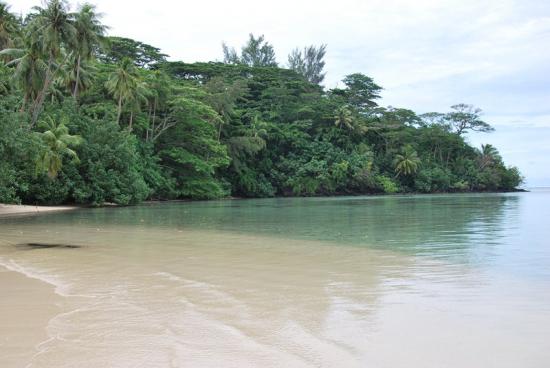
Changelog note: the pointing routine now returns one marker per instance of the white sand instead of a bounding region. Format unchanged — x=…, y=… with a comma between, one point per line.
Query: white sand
x=16, y=209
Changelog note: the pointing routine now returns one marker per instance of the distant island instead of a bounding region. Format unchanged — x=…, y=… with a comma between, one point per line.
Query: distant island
x=87, y=118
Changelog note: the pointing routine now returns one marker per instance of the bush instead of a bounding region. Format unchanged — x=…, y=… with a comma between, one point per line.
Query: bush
x=386, y=184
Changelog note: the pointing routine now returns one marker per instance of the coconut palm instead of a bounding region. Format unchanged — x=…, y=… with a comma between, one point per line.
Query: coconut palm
x=52, y=31
x=344, y=118
x=9, y=27
x=136, y=100
x=30, y=70
x=77, y=75
x=123, y=84
x=488, y=156
x=57, y=141
x=407, y=162
x=258, y=127
x=89, y=35
x=159, y=91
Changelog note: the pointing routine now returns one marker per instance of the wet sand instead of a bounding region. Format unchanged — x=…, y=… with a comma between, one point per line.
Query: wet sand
x=26, y=307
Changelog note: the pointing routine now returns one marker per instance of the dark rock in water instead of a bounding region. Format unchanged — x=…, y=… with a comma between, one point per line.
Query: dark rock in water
x=46, y=246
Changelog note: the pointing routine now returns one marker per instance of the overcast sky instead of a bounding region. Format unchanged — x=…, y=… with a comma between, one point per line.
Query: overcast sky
x=427, y=54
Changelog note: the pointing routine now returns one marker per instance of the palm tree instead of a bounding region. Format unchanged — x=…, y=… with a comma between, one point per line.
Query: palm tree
x=159, y=90
x=30, y=70
x=344, y=118
x=258, y=128
x=9, y=27
x=123, y=84
x=137, y=99
x=77, y=75
x=488, y=156
x=89, y=35
x=57, y=141
x=407, y=162
x=53, y=32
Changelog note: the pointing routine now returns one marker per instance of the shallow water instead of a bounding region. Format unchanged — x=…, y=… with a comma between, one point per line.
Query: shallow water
x=401, y=281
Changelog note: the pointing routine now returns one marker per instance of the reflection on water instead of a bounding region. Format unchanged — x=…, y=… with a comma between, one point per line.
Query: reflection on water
x=402, y=281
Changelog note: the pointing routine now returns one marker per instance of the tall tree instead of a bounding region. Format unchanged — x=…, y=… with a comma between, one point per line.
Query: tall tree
x=142, y=55
x=52, y=31
x=360, y=92
x=9, y=27
x=256, y=52
x=467, y=117
x=89, y=34
x=30, y=70
x=123, y=84
x=222, y=97
x=309, y=62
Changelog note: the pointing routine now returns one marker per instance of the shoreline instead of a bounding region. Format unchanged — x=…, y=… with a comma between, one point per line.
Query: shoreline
x=11, y=210
x=8, y=210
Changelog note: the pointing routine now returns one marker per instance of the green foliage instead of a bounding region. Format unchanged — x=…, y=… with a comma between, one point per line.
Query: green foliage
x=466, y=117
x=153, y=129
x=57, y=142
x=309, y=62
x=256, y=52
x=406, y=162
x=141, y=54
x=387, y=185
x=111, y=168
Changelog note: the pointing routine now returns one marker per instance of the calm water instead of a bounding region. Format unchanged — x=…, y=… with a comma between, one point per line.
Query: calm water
x=401, y=281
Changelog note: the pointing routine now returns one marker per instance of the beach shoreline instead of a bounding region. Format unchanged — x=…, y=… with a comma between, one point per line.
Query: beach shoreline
x=8, y=210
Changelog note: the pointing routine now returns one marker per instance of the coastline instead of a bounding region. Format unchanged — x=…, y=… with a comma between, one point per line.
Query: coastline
x=22, y=209
x=10, y=210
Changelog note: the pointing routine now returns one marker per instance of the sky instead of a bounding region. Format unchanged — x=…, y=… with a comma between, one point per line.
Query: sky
x=427, y=54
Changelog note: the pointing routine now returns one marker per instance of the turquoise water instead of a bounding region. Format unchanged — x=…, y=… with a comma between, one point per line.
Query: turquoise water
x=507, y=231
x=457, y=280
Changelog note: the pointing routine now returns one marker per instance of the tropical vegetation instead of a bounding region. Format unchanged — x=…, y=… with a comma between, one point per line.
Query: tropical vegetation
x=90, y=118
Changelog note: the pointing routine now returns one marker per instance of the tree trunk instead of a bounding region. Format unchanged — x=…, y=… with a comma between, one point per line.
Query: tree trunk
x=37, y=106
x=131, y=120
x=119, y=109
x=75, y=92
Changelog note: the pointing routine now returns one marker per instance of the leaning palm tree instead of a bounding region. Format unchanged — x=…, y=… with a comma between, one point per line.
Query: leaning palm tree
x=407, y=162
x=52, y=31
x=89, y=35
x=57, y=140
x=344, y=118
x=123, y=84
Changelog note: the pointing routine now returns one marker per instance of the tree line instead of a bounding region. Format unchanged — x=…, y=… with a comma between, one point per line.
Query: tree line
x=89, y=118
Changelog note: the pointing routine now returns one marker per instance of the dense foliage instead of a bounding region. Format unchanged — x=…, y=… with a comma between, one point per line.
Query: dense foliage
x=87, y=118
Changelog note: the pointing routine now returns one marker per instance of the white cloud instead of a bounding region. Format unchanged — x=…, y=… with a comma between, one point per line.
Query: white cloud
x=427, y=54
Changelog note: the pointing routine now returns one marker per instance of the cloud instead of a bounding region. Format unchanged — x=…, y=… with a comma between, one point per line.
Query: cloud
x=427, y=54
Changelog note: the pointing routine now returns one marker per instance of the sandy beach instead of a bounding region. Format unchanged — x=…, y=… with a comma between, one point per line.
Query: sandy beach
x=26, y=304
x=20, y=209
x=26, y=307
